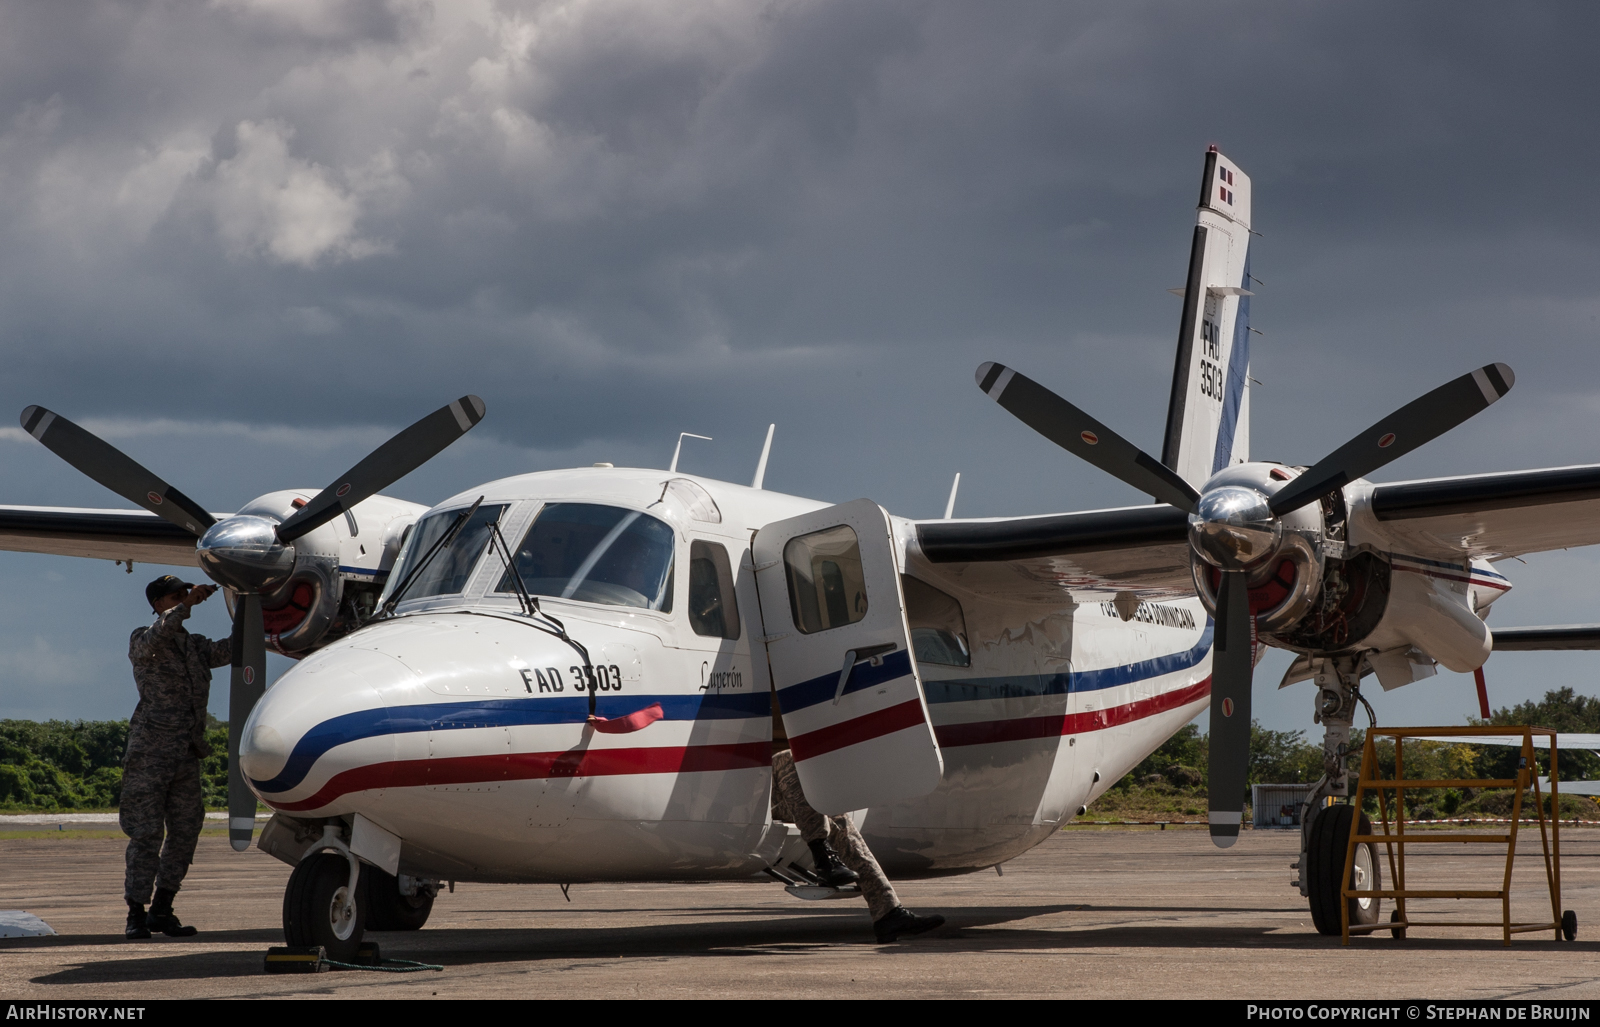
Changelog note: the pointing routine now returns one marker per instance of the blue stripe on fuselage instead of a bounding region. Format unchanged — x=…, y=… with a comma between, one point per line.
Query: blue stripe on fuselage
x=863, y=675
x=455, y=716
x=1020, y=686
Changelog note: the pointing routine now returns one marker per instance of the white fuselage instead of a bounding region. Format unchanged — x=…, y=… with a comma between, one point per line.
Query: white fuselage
x=458, y=725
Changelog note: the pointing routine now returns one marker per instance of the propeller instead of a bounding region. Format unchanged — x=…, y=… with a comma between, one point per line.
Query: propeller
x=247, y=685
x=1083, y=436
x=1236, y=528
x=386, y=465
x=248, y=553
x=1232, y=666
x=1419, y=421
x=114, y=469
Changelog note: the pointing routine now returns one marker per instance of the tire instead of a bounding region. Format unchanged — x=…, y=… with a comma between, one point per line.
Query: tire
x=313, y=902
x=1569, y=925
x=387, y=908
x=1330, y=834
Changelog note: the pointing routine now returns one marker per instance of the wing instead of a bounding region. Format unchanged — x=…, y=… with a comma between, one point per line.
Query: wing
x=97, y=534
x=1088, y=556
x=1487, y=515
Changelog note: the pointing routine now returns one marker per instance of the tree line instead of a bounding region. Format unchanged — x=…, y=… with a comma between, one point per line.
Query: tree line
x=57, y=766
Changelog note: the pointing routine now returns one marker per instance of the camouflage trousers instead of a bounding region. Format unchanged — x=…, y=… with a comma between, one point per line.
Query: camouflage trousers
x=161, y=795
x=840, y=832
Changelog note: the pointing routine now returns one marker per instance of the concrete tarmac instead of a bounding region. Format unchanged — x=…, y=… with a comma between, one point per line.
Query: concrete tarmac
x=1093, y=913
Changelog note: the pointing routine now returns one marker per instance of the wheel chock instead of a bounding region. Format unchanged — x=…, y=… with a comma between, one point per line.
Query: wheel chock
x=367, y=954
x=298, y=959
x=820, y=892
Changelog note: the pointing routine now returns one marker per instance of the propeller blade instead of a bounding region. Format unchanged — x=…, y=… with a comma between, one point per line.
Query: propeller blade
x=1232, y=666
x=114, y=469
x=386, y=465
x=249, y=682
x=1083, y=436
x=1418, y=422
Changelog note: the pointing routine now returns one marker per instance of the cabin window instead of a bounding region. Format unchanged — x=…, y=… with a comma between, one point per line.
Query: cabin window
x=827, y=588
x=938, y=629
x=448, y=572
x=713, y=609
x=596, y=554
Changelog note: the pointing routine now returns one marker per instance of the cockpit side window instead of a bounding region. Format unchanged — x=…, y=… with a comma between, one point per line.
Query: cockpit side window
x=938, y=628
x=713, y=610
x=451, y=567
x=596, y=554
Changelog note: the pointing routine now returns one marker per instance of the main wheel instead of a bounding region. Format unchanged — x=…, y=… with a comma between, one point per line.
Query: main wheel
x=390, y=909
x=315, y=911
x=1330, y=836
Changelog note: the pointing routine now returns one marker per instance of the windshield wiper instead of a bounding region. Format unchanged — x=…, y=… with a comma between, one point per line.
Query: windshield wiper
x=444, y=542
x=532, y=610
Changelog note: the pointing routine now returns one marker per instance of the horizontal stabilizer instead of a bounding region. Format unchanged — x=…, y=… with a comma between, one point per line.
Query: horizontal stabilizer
x=1555, y=637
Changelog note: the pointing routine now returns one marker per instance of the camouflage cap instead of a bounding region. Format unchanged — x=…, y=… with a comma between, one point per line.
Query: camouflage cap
x=165, y=586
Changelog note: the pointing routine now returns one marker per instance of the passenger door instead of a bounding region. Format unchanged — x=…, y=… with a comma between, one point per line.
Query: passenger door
x=842, y=667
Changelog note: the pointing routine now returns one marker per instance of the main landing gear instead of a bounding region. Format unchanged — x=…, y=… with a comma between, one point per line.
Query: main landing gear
x=1325, y=830
x=333, y=899
x=1323, y=867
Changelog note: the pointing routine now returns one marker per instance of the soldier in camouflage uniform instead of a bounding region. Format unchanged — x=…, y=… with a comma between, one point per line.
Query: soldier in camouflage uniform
x=161, y=790
x=831, y=837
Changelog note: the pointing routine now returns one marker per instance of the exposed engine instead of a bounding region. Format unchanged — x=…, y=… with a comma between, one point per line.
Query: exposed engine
x=338, y=573
x=1312, y=593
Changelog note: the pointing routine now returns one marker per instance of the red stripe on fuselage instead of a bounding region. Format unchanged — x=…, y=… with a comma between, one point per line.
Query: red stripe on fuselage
x=740, y=756
x=989, y=731
x=524, y=766
x=860, y=729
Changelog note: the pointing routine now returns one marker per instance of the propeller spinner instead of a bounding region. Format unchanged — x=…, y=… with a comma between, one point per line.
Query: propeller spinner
x=1237, y=528
x=248, y=553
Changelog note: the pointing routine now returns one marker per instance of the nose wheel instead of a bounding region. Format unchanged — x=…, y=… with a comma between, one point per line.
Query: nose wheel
x=320, y=908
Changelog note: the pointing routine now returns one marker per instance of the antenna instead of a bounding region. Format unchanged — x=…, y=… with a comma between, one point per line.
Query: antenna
x=761, y=465
x=679, y=447
x=950, y=507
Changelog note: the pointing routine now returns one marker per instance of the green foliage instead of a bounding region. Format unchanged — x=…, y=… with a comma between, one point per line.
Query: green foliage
x=1181, y=760
x=57, y=766
x=1282, y=757
x=1180, y=764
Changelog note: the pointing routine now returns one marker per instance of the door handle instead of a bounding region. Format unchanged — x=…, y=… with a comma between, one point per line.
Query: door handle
x=855, y=656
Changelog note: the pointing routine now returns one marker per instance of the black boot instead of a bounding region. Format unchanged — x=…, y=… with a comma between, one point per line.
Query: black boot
x=161, y=918
x=137, y=928
x=831, y=872
x=901, y=921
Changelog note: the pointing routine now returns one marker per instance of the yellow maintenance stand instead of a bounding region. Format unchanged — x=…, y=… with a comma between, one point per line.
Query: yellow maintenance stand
x=1560, y=924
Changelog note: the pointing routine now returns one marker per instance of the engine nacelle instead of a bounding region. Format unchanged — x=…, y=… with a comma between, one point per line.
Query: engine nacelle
x=1310, y=603
x=339, y=569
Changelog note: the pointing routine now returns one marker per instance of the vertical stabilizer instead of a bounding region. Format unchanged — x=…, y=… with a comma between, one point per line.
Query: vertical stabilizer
x=1208, y=417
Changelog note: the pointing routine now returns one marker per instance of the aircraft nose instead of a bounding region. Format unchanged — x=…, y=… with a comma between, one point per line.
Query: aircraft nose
x=323, y=716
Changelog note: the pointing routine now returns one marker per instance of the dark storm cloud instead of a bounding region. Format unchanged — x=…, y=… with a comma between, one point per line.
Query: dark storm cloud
x=369, y=202
x=227, y=228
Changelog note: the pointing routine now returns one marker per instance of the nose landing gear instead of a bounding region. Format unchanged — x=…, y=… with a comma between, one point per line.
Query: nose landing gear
x=322, y=906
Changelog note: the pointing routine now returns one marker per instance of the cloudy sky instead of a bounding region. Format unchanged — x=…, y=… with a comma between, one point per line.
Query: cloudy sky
x=246, y=240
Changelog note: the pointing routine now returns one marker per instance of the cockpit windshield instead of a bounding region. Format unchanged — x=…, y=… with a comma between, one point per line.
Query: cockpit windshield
x=450, y=567
x=596, y=554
